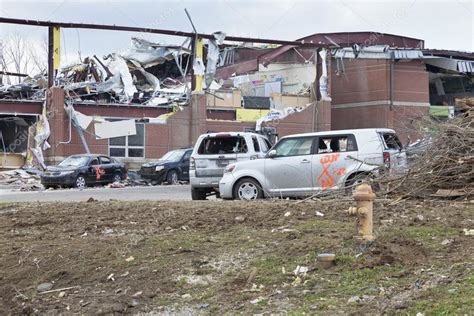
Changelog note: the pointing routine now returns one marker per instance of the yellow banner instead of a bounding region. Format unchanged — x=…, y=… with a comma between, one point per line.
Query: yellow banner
x=250, y=115
x=56, y=48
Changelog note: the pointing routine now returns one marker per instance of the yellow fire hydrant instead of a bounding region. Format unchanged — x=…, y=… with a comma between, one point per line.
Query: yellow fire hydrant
x=364, y=197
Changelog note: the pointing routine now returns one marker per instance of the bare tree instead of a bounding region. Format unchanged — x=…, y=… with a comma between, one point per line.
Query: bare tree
x=19, y=55
x=3, y=63
x=39, y=56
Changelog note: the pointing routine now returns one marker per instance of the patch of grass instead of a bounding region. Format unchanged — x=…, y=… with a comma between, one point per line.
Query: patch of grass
x=208, y=294
x=269, y=268
x=364, y=281
x=345, y=260
x=439, y=301
x=427, y=233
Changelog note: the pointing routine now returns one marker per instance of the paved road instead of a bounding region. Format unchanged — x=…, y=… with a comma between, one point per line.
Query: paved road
x=165, y=192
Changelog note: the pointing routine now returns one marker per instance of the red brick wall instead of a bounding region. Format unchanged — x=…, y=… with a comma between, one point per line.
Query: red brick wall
x=403, y=119
x=361, y=81
x=20, y=107
x=410, y=82
x=360, y=117
x=364, y=91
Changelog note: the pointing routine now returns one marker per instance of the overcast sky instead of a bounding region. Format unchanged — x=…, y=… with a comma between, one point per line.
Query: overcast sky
x=442, y=24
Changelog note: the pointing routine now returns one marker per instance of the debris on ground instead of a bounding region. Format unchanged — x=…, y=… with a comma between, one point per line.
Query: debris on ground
x=43, y=287
x=25, y=181
x=445, y=168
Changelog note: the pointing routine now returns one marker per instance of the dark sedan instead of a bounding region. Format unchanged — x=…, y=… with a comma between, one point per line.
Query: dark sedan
x=173, y=167
x=82, y=170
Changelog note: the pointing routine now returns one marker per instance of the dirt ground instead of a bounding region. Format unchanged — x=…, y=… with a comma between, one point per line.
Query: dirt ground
x=234, y=257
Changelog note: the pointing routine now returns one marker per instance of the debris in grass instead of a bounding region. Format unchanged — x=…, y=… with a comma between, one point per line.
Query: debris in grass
x=257, y=300
x=468, y=232
x=300, y=270
x=43, y=287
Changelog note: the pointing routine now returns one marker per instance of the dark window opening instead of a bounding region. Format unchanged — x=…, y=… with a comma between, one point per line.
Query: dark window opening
x=392, y=141
x=333, y=144
x=256, y=146
x=223, y=145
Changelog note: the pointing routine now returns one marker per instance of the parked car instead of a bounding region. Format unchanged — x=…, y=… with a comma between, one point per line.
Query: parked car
x=214, y=151
x=172, y=168
x=82, y=170
x=304, y=164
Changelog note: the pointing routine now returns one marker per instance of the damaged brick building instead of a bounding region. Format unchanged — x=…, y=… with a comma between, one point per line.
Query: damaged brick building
x=351, y=80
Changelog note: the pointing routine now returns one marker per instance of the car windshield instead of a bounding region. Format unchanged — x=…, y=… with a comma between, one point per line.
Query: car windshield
x=74, y=161
x=173, y=155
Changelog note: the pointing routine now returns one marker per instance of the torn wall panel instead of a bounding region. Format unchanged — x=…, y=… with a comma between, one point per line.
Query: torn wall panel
x=115, y=129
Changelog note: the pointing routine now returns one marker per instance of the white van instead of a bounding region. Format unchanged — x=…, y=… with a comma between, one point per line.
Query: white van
x=303, y=164
x=214, y=151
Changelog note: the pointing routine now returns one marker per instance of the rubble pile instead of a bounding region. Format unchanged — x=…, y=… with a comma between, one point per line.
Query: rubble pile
x=22, y=179
x=465, y=104
x=32, y=88
x=145, y=74
x=445, y=168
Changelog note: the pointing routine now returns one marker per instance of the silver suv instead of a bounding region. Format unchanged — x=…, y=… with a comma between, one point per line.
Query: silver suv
x=303, y=164
x=214, y=151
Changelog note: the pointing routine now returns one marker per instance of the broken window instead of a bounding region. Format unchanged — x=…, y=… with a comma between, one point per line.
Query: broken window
x=332, y=144
x=14, y=133
x=105, y=160
x=391, y=141
x=129, y=146
x=94, y=162
x=223, y=145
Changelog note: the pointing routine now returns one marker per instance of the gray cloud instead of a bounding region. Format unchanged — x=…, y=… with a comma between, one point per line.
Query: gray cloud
x=442, y=24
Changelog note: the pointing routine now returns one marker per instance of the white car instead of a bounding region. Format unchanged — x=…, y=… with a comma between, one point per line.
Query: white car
x=303, y=164
x=214, y=151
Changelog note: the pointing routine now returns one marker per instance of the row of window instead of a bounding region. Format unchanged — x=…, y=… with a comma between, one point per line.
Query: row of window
x=304, y=145
x=129, y=146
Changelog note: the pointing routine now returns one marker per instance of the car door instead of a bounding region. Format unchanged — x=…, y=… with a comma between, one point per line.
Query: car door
x=93, y=171
x=335, y=156
x=288, y=172
x=107, y=169
x=184, y=165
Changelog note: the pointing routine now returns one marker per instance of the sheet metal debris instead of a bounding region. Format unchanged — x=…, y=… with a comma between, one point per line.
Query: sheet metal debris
x=135, y=77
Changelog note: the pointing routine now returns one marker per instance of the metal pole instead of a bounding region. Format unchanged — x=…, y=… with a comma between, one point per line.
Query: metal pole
x=300, y=43
x=50, y=57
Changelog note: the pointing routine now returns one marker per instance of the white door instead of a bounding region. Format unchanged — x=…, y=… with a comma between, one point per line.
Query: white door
x=289, y=172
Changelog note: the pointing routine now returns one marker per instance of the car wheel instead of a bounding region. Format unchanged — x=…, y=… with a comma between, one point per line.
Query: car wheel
x=197, y=194
x=248, y=189
x=172, y=177
x=117, y=177
x=80, y=182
